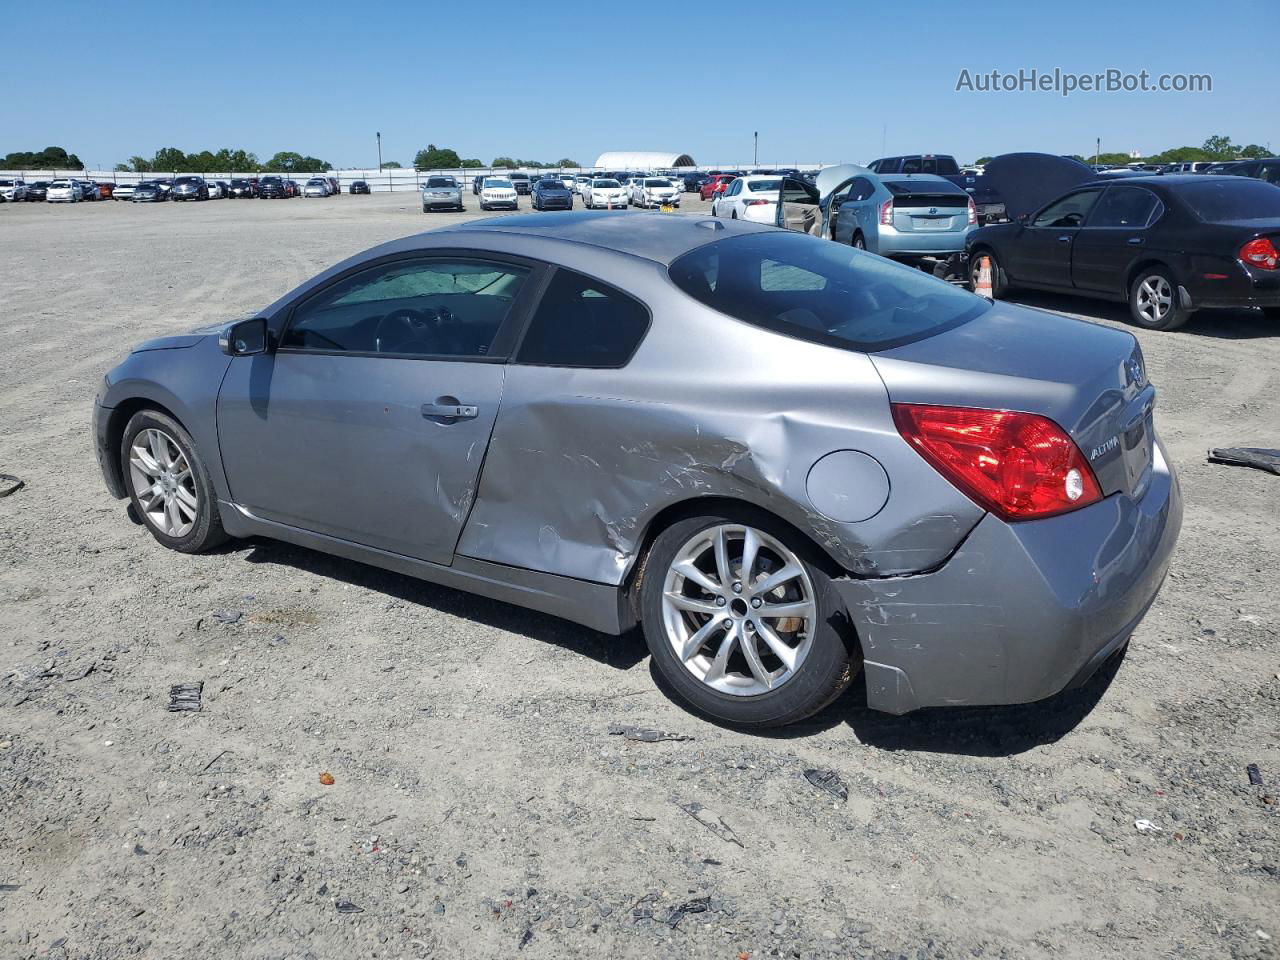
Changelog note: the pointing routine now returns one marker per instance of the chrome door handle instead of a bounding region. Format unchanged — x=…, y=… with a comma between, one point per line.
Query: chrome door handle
x=1066, y=239
x=451, y=411
x=1134, y=241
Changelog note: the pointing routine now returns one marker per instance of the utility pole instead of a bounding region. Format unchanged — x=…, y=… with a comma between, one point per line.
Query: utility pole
x=1097, y=150
x=755, y=149
x=379, y=136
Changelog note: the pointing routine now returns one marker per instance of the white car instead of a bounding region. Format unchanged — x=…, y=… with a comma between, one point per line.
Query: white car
x=654, y=191
x=63, y=191
x=13, y=190
x=604, y=192
x=124, y=191
x=753, y=197
x=316, y=187
x=580, y=184
x=498, y=192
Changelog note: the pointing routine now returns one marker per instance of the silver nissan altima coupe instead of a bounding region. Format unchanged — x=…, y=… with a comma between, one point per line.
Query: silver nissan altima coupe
x=790, y=462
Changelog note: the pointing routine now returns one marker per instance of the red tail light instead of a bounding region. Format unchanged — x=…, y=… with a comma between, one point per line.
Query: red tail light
x=1020, y=466
x=1260, y=253
x=886, y=213
x=755, y=203
x=973, y=212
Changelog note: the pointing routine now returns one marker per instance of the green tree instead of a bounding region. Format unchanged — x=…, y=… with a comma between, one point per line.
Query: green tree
x=1254, y=152
x=982, y=161
x=169, y=160
x=566, y=162
x=139, y=164
x=503, y=163
x=287, y=161
x=50, y=158
x=1219, y=148
x=1114, y=159
x=391, y=164
x=437, y=158
x=470, y=162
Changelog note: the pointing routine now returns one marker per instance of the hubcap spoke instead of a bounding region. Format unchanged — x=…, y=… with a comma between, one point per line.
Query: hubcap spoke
x=750, y=549
x=721, y=661
x=689, y=571
x=747, y=643
x=701, y=636
x=797, y=608
x=780, y=650
x=693, y=605
x=722, y=557
x=777, y=579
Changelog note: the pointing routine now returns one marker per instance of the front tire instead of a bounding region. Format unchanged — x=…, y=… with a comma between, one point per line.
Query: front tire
x=741, y=620
x=168, y=483
x=999, y=280
x=1154, y=303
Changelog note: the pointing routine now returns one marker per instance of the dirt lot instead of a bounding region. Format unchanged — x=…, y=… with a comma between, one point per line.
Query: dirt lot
x=480, y=807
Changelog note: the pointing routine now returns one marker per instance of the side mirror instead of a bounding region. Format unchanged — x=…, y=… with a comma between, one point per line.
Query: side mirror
x=244, y=339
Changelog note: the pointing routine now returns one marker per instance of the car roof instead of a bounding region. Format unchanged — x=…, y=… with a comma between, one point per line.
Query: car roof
x=912, y=178
x=1163, y=180
x=653, y=236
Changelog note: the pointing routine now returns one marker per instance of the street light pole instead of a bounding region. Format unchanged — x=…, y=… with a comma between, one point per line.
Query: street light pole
x=755, y=149
x=379, y=136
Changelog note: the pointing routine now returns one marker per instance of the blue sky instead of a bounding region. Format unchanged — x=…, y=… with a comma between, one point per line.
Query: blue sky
x=820, y=81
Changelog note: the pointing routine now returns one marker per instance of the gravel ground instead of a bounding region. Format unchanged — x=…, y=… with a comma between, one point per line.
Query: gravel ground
x=479, y=805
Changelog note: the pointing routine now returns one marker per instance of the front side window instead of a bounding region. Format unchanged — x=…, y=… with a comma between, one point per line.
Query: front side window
x=424, y=308
x=1130, y=207
x=1069, y=211
x=797, y=191
x=582, y=322
x=812, y=289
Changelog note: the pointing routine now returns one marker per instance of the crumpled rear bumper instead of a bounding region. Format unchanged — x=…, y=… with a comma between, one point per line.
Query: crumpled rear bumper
x=1021, y=611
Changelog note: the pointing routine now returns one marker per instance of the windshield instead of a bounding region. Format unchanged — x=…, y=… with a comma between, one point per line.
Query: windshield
x=605, y=184
x=441, y=182
x=315, y=182
x=550, y=184
x=1236, y=199
x=824, y=292
x=657, y=183
x=494, y=183
x=60, y=183
x=764, y=186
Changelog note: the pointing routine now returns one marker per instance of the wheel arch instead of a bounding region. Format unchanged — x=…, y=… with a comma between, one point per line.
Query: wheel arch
x=1141, y=266
x=119, y=418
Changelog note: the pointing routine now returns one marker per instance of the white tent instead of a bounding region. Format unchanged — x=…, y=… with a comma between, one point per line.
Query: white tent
x=642, y=160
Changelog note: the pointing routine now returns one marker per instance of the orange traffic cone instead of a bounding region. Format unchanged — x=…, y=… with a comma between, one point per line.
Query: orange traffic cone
x=982, y=278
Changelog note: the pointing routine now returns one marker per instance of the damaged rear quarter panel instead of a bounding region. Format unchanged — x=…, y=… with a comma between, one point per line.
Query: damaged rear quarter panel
x=582, y=460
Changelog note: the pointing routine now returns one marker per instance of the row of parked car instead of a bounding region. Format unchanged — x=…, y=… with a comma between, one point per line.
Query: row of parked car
x=75, y=190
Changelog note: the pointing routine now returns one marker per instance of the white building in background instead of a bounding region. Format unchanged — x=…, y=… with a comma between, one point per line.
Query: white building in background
x=642, y=160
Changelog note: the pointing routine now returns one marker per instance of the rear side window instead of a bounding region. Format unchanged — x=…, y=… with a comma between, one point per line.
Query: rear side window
x=820, y=291
x=582, y=322
x=1243, y=199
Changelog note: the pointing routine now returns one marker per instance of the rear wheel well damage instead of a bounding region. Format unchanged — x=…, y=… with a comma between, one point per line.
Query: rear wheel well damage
x=118, y=419
x=717, y=506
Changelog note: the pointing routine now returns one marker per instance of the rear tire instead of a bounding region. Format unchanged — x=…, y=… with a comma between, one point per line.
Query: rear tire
x=168, y=483
x=722, y=675
x=1154, y=303
x=858, y=242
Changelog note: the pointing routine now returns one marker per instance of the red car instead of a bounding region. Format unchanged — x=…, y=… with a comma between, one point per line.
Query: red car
x=717, y=184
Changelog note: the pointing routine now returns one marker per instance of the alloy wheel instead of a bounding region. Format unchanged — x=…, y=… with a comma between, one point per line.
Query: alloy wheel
x=1155, y=298
x=739, y=610
x=163, y=483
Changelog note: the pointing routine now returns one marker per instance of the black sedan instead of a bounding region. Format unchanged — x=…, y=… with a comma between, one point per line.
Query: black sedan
x=359, y=186
x=1168, y=245
x=1267, y=168
x=37, y=191
x=243, y=188
x=149, y=191
x=550, y=193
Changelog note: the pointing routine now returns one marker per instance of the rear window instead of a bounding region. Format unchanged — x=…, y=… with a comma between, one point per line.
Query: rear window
x=440, y=182
x=657, y=183
x=827, y=293
x=945, y=166
x=1216, y=200
x=764, y=186
x=581, y=322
